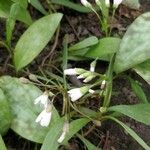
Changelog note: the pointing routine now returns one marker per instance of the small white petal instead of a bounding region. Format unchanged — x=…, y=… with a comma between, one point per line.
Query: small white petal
x=80, y=77
x=85, y=3
x=107, y=3
x=92, y=69
x=75, y=94
x=70, y=71
x=43, y=99
x=44, y=118
x=117, y=2
x=62, y=137
x=91, y=91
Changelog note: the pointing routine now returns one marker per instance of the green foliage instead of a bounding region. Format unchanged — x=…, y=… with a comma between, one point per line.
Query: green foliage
x=134, y=47
x=138, y=91
x=2, y=145
x=139, y=112
x=5, y=8
x=38, y=6
x=135, y=4
x=143, y=70
x=88, y=144
x=105, y=48
x=131, y=133
x=5, y=115
x=55, y=131
x=21, y=99
x=35, y=39
x=84, y=44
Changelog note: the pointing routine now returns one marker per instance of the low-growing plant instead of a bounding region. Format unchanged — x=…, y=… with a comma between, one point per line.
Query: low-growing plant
x=31, y=113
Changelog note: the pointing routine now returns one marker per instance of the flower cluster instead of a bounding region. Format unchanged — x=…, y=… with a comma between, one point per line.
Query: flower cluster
x=116, y=3
x=77, y=93
x=44, y=117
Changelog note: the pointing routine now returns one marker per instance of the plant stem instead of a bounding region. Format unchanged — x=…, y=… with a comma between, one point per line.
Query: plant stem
x=109, y=75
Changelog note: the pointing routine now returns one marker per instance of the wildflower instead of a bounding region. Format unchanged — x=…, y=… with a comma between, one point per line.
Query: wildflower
x=65, y=130
x=44, y=117
x=117, y=3
x=92, y=65
x=103, y=84
x=89, y=78
x=86, y=3
x=43, y=99
x=77, y=93
x=73, y=71
x=107, y=3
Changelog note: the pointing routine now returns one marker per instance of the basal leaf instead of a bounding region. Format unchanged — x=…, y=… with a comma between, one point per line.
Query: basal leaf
x=55, y=131
x=84, y=44
x=131, y=133
x=38, y=6
x=135, y=4
x=5, y=115
x=5, y=8
x=2, y=145
x=134, y=47
x=105, y=47
x=143, y=70
x=139, y=112
x=34, y=39
x=88, y=144
x=138, y=91
x=21, y=99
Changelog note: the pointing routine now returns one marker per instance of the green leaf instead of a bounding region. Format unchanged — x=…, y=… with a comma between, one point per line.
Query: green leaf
x=88, y=144
x=138, y=91
x=2, y=145
x=21, y=99
x=132, y=3
x=144, y=71
x=74, y=127
x=132, y=133
x=71, y=5
x=22, y=3
x=55, y=131
x=38, y=6
x=17, y=12
x=35, y=39
x=85, y=43
x=5, y=8
x=5, y=115
x=105, y=47
x=139, y=112
x=134, y=47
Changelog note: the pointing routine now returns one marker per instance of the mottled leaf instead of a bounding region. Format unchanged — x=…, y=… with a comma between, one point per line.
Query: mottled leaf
x=134, y=47
x=105, y=47
x=139, y=112
x=21, y=99
x=35, y=39
x=135, y=4
x=143, y=70
x=5, y=115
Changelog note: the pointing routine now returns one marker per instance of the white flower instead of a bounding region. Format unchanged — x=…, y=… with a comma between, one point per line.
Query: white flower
x=65, y=130
x=107, y=3
x=103, y=84
x=44, y=117
x=91, y=91
x=75, y=94
x=117, y=2
x=43, y=99
x=74, y=71
x=86, y=3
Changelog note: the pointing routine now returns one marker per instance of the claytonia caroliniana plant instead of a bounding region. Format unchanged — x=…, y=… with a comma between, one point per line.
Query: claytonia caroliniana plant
x=44, y=117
